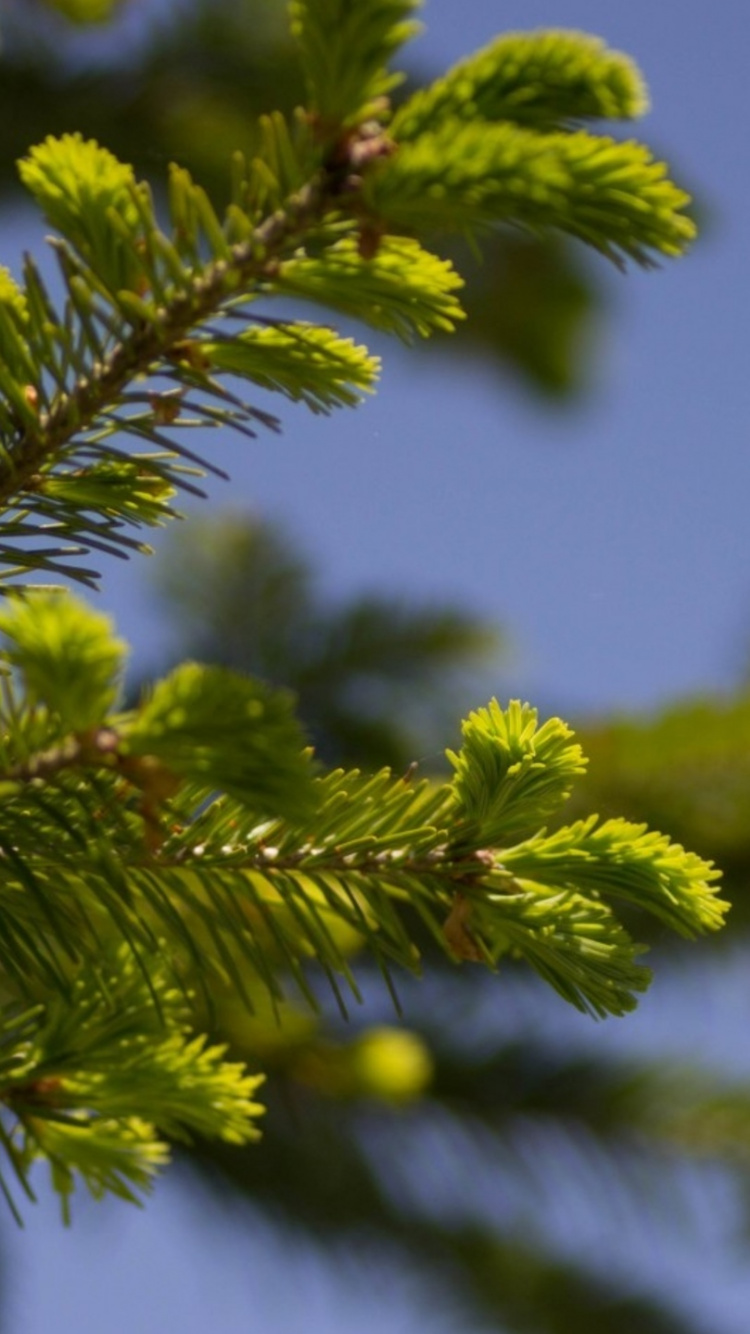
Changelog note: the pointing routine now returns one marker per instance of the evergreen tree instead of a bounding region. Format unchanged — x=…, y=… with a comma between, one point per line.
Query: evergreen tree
x=166, y=863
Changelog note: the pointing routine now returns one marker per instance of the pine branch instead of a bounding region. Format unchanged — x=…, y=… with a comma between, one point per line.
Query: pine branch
x=190, y=843
x=219, y=829
x=80, y=1073
x=310, y=215
x=85, y=191
x=149, y=343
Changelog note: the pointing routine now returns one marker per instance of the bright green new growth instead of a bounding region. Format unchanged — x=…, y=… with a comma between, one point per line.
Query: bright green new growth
x=459, y=177
x=547, y=80
x=67, y=656
x=96, y=1078
x=156, y=860
x=627, y=861
x=302, y=361
x=511, y=776
x=345, y=47
x=228, y=731
x=402, y=288
x=89, y=197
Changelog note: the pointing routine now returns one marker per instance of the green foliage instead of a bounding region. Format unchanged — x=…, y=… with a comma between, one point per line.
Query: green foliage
x=461, y=176
x=197, y=81
x=95, y=1079
x=66, y=655
x=158, y=858
x=511, y=775
x=87, y=196
x=304, y=218
x=547, y=80
x=401, y=288
x=304, y=362
x=179, y=787
x=117, y=488
x=464, y=160
x=345, y=46
x=636, y=864
x=531, y=298
x=530, y=1119
x=222, y=730
x=688, y=767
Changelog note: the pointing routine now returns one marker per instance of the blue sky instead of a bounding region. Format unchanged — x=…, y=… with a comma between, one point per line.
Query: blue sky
x=610, y=539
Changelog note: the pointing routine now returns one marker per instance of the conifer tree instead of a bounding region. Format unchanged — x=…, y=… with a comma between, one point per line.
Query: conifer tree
x=159, y=859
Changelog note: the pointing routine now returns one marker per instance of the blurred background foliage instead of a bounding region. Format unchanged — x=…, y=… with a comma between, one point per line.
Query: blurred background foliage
x=377, y=680
x=450, y=1139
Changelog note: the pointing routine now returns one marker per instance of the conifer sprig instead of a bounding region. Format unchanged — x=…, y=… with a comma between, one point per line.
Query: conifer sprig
x=345, y=48
x=96, y=1079
x=139, y=304
x=547, y=80
x=463, y=176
